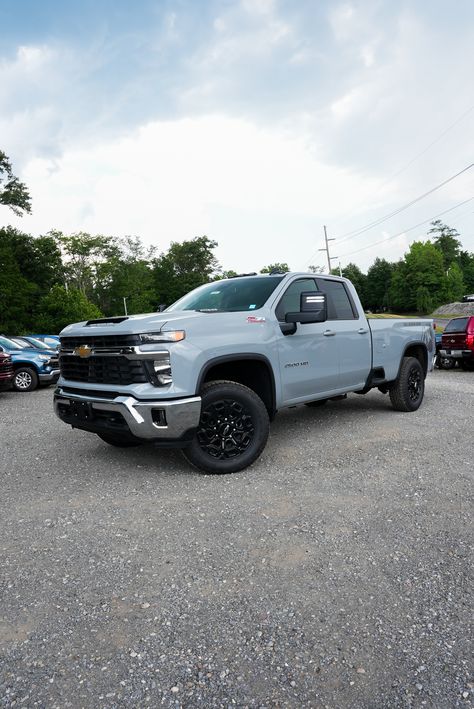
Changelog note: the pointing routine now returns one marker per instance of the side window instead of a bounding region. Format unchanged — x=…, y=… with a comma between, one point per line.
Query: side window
x=290, y=301
x=340, y=306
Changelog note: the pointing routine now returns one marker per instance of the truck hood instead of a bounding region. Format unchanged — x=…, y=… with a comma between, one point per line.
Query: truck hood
x=150, y=322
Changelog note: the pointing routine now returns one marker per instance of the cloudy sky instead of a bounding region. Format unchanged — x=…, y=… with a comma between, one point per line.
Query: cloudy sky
x=254, y=122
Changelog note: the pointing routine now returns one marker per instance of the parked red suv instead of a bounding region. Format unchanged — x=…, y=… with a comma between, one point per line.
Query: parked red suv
x=6, y=370
x=458, y=341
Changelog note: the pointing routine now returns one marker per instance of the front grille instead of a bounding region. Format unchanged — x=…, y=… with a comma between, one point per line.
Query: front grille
x=103, y=370
x=68, y=343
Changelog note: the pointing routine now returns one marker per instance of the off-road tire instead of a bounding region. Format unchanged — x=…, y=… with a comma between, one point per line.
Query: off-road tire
x=118, y=441
x=25, y=379
x=233, y=429
x=406, y=393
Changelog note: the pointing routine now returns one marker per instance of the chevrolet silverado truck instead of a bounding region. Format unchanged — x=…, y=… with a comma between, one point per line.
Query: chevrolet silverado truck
x=210, y=372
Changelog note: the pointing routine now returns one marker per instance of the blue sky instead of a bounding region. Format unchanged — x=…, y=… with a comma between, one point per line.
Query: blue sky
x=253, y=121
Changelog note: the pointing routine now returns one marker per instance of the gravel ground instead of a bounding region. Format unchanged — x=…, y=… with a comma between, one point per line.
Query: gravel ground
x=333, y=573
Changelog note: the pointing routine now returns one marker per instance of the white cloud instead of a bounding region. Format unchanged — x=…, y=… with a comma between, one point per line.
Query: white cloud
x=175, y=180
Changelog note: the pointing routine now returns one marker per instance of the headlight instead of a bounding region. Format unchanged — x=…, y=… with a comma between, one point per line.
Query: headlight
x=44, y=358
x=167, y=336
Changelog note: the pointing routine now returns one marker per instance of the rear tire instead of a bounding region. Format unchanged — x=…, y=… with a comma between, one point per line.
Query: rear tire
x=119, y=441
x=444, y=362
x=406, y=393
x=233, y=429
x=25, y=379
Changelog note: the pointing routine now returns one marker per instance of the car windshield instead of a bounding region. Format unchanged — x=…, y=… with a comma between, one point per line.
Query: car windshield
x=457, y=325
x=9, y=344
x=229, y=296
x=36, y=343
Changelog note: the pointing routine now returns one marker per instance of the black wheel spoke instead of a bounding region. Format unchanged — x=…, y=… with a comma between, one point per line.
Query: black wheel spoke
x=226, y=429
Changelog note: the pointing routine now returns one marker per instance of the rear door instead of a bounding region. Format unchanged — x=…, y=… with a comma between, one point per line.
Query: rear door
x=350, y=334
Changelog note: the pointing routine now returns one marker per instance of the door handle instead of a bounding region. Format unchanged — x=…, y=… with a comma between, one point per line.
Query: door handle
x=362, y=330
x=329, y=333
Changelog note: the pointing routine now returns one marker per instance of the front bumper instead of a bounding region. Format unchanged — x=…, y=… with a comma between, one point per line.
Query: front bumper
x=49, y=377
x=163, y=421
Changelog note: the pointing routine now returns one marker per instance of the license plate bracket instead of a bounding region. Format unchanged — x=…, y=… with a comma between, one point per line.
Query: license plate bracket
x=81, y=410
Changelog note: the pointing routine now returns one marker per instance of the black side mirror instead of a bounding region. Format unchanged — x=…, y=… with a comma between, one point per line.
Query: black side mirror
x=313, y=308
x=161, y=307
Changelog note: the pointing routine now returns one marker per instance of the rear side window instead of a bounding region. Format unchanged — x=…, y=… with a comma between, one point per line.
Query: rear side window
x=340, y=306
x=457, y=325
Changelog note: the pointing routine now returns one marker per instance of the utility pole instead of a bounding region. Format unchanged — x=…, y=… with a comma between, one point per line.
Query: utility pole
x=330, y=258
x=125, y=305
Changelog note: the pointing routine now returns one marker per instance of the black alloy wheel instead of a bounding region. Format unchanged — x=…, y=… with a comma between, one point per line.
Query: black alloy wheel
x=233, y=429
x=406, y=392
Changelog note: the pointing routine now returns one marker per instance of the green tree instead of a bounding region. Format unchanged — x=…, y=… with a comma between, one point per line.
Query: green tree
x=13, y=193
x=128, y=275
x=276, y=267
x=377, y=285
x=355, y=275
x=446, y=240
x=60, y=307
x=29, y=268
x=453, y=285
x=422, y=266
x=83, y=254
x=467, y=264
x=184, y=266
x=424, y=304
x=17, y=294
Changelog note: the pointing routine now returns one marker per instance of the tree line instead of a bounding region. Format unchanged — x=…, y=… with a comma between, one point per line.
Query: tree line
x=55, y=279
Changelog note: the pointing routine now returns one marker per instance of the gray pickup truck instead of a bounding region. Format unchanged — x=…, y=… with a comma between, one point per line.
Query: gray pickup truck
x=210, y=372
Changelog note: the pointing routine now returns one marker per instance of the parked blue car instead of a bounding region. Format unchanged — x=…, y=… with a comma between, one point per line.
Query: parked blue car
x=32, y=367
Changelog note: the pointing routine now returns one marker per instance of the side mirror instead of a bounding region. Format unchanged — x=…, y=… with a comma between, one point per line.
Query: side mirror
x=313, y=308
x=161, y=307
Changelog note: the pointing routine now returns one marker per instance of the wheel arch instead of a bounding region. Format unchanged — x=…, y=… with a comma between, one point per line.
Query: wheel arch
x=419, y=351
x=250, y=369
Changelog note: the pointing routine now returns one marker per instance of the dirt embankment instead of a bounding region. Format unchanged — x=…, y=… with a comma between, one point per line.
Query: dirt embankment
x=455, y=309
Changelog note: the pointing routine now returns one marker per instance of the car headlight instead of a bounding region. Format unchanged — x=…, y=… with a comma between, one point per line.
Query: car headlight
x=44, y=358
x=167, y=336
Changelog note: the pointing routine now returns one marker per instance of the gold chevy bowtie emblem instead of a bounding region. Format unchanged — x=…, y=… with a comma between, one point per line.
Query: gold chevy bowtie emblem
x=83, y=351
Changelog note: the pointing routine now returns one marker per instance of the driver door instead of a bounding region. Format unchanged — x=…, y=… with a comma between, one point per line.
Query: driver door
x=309, y=358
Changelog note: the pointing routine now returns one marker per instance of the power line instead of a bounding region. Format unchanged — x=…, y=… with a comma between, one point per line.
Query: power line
x=410, y=162
x=400, y=233
x=365, y=228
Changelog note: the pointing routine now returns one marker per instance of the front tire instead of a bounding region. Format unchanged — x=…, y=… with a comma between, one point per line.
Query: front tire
x=406, y=393
x=25, y=379
x=233, y=429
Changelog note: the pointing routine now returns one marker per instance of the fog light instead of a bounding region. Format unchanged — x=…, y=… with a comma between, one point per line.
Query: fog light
x=159, y=417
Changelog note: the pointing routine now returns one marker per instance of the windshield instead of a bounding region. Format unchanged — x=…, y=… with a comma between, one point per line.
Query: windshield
x=31, y=342
x=229, y=296
x=9, y=344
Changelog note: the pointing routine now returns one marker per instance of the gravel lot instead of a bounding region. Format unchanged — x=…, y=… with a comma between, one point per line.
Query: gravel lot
x=333, y=573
